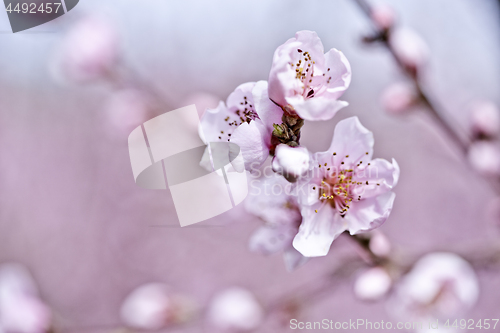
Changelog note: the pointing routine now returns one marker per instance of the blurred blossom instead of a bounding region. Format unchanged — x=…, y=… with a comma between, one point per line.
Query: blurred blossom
x=291, y=162
x=485, y=157
x=21, y=310
x=345, y=190
x=235, y=309
x=306, y=81
x=383, y=15
x=152, y=306
x=270, y=200
x=409, y=47
x=439, y=286
x=203, y=101
x=485, y=119
x=127, y=109
x=379, y=244
x=398, y=98
x=89, y=49
x=372, y=284
x=246, y=119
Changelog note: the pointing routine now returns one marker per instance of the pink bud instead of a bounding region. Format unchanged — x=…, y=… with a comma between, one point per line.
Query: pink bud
x=372, y=284
x=409, y=47
x=485, y=158
x=379, y=244
x=398, y=98
x=383, y=15
x=127, y=109
x=89, y=49
x=235, y=309
x=485, y=119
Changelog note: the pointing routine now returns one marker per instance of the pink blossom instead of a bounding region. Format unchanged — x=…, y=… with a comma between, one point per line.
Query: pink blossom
x=485, y=119
x=439, y=286
x=147, y=307
x=398, y=98
x=306, y=81
x=291, y=162
x=345, y=190
x=484, y=156
x=270, y=199
x=383, y=15
x=235, y=309
x=409, y=47
x=379, y=244
x=127, y=109
x=21, y=310
x=372, y=284
x=246, y=119
x=89, y=50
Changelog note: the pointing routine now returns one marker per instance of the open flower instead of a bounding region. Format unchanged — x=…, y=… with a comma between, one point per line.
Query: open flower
x=440, y=286
x=306, y=81
x=246, y=119
x=271, y=200
x=344, y=190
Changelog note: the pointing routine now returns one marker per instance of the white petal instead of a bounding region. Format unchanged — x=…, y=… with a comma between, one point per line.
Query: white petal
x=268, y=112
x=318, y=230
x=352, y=139
x=340, y=73
x=212, y=123
x=370, y=213
x=380, y=172
x=251, y=140
x=316, y=108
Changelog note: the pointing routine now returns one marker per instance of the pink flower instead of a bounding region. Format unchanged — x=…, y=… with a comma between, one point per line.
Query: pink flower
x=383, y=15
x=440, y=286
x=345, y=190
x=409, y=47
x=306, y=81
x=152, y=306
x=246, y=119
x=398, y=98
x=235, y=309
x=21, y=310
x=372, y=284
x=89, y=49
x=270, y=199
x=484, y=156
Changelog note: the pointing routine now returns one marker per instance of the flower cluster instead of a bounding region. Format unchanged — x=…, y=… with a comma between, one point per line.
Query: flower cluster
x=311, y=198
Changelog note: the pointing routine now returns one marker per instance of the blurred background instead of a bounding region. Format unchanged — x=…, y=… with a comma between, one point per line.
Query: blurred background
x=70, y=210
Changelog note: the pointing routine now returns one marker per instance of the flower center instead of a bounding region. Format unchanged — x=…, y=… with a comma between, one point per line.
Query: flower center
x=244, y=112
x=304, y=72
x=339, y=188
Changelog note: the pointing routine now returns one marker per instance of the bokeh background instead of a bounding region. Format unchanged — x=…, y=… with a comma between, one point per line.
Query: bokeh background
x=71, y=212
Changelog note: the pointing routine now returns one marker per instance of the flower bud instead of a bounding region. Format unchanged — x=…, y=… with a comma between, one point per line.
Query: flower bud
x=89, y=50
x=398, y=98
x=485, y=119
x=379, y=244
x=485, y=158
x=409, y=48
x=372, y=284
x=383, y=15
x=235, y=309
